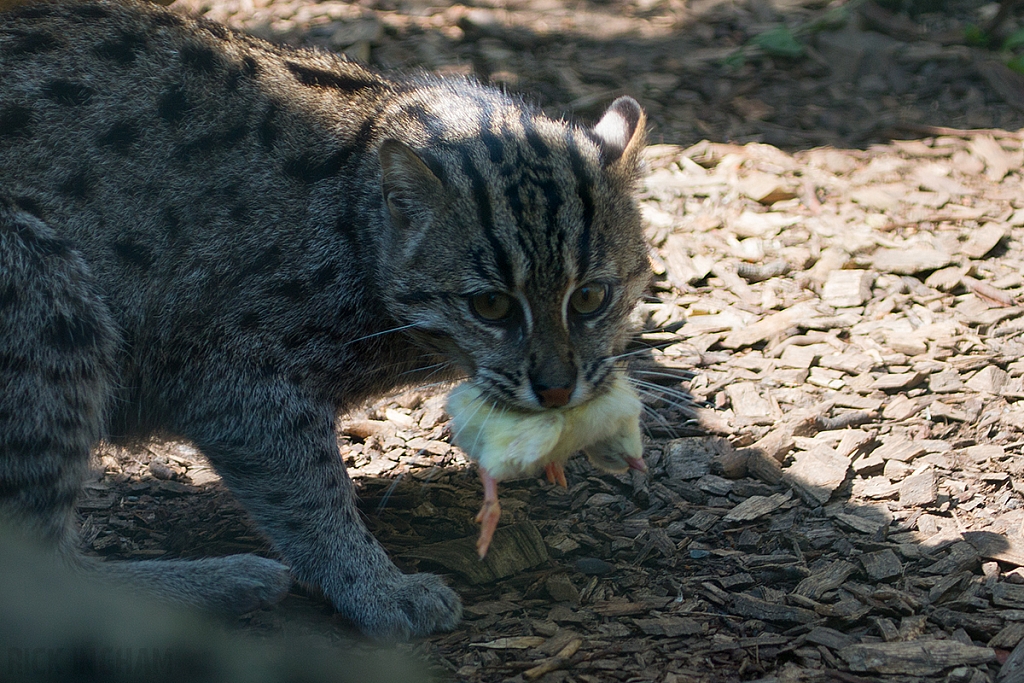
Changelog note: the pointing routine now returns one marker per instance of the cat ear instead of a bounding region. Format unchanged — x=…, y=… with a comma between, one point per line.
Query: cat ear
x=621, y=133
x=410, y=188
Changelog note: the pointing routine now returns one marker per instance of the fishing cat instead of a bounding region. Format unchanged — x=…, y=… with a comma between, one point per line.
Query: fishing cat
x=209, y=237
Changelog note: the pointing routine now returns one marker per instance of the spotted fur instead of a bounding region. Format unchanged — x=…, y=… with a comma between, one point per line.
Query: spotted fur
x=209, y=237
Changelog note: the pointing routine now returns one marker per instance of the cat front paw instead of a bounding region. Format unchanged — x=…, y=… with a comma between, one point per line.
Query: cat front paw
x=404, y=606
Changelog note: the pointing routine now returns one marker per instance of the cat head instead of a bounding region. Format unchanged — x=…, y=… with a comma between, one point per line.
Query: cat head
x=514, y=244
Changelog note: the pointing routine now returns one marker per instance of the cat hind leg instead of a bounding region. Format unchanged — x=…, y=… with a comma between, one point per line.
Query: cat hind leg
x=56, y=344
x=57, y=352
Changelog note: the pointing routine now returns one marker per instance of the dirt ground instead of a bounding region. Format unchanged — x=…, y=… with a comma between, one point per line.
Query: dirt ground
x=831, y=359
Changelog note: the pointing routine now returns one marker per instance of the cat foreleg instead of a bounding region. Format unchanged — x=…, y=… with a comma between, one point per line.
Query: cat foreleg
x=278, y=453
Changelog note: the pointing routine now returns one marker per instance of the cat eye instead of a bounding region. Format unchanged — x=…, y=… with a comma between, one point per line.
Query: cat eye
x=491, y=306
x=589, y=298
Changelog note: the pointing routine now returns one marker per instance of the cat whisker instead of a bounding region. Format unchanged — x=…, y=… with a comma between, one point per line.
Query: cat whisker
x=625, y=354
x=437, y=370
x=435, y=385
x=681, y=400
x=432, y=473
x=434, y=369
x=455, y=435
x=646, y=393
x=490, y=413
x=683, y=376
x=382, y=333
x=387, y=494
x=660, y=419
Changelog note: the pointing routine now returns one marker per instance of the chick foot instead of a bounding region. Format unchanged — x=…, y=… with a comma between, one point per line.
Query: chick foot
x=555, y=474
x=489, y=514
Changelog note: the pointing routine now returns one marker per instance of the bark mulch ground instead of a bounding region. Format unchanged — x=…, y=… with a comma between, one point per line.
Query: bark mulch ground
x=831, y=355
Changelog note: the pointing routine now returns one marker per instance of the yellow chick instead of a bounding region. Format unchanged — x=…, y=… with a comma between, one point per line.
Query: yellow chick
x=509, y=443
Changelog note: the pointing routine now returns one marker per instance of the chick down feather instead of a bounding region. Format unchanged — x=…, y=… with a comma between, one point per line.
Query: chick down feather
x=510, y=443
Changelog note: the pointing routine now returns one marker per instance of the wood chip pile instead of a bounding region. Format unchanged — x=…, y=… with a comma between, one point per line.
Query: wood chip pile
x=852, y=503
x=841, y=502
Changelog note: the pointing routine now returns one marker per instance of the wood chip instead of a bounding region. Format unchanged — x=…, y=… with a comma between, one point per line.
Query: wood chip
x=777, y=443
x=920, y=488
x=898, y=381
x=514, y=549
x=512, y=643
x=763, y=466
x=815, y=474
x=945, y=382
x=746, y=400
x=984, y=452
x=983, y=240
x=1008, y=637
x=998, y=161
x=364, y=429
x=935, y=178
x=766, y=328
x=691, y=457
x=746, y=606
x=875, y=488
x=671, y=627
x=682, y=267
x=845, y=288
x=947, y=279
x=917, y=658
x=852, y=363
x=900, y=449
x=992, y=295
x=561, y=589
x=616, y=609
x=820, y=582
x=998, y=547
x=990, y=379
x=858, y=402
x=755, y=507
x=886, y=629
x=554, y=663
x=802, y=356
x=909, y=261
x=1008, y=595
x=853, y=442
x=881, y=565
x=829, y=637
x=960, y=557
x=1012, y=670
x=875, y=198
x=765, y=188
x=941, y=411
x=903, y=407
x=857, y=523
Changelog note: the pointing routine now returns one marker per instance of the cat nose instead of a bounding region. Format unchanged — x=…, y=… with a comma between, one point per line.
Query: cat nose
x=552, y=380
x=553, y=398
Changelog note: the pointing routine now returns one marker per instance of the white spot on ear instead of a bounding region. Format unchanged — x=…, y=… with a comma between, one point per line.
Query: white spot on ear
x=613, y=131
x=619, y=128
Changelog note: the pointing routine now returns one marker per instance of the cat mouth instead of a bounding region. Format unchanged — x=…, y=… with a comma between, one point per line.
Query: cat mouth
x=525, y=400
